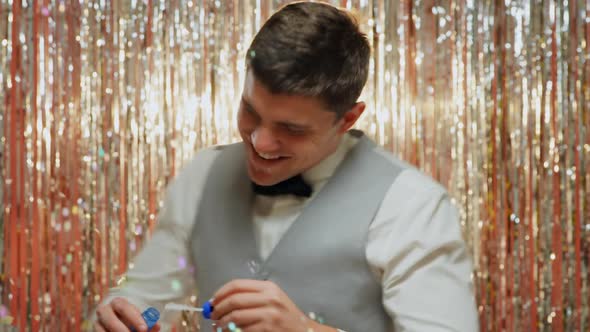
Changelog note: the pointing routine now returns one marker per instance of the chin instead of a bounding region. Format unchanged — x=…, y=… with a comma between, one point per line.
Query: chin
x=265, y=179
x=260, y=178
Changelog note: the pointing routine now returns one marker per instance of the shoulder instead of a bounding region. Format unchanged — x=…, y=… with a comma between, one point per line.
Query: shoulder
x=412, y=193
x=197, y=168
x=184, y=191
x=416, y=215
x=410, y=180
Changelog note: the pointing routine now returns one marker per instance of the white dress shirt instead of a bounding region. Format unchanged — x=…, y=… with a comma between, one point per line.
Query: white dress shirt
x=415, y=247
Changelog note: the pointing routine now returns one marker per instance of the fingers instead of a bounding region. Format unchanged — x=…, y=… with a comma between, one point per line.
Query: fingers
x=244, y=317
x=120, y=315
x=237, y=301
x=238, y=286
x=254, y=327
x=108, y=320
x=98, y=327
x=129, y=314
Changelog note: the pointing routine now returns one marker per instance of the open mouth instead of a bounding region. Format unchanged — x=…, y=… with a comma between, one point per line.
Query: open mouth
x=266, y=160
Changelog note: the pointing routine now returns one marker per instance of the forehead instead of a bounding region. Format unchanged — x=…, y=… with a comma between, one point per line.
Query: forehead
x=258, y=96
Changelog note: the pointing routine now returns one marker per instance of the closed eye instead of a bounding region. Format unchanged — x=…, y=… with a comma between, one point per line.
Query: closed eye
x=295, y=129
x=249, y=109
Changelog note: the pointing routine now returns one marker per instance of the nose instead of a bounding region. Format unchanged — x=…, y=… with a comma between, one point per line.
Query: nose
x=264, y=141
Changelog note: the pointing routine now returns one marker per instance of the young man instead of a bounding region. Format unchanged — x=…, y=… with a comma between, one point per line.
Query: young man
x=304, y=217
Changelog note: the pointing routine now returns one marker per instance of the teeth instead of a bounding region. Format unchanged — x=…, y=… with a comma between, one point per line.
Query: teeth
x=267, y=156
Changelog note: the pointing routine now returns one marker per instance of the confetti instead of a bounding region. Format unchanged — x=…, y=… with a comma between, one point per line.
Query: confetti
x=182, y=262
x=176, y=285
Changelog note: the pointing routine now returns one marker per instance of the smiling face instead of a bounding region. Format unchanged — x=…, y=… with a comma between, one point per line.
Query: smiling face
x=307, y=67
x=285, y=135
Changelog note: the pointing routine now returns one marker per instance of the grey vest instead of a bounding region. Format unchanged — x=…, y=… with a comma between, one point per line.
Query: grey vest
x=320, y=262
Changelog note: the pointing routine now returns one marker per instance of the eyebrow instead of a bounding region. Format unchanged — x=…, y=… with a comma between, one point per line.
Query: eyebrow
x=281, y=123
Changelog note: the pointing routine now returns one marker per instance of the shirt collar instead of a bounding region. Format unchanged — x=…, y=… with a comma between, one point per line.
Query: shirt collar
x=326, y=168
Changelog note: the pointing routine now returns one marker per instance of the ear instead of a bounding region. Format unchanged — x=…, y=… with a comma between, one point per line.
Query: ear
x=351, y=116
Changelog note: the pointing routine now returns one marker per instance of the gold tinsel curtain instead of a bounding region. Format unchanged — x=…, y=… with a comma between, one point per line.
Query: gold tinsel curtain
x=102, y=101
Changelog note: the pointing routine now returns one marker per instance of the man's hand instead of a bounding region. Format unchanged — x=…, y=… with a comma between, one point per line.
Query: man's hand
x=119, y=316
x=258, y=306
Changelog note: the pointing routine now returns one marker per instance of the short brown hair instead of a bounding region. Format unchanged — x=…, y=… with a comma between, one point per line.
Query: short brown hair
x=312, y=49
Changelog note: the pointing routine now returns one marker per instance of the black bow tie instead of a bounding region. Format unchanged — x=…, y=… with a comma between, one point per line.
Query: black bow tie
x=292, y=186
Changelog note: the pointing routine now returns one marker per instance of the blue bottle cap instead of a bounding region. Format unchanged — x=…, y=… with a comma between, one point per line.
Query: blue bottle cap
x=207, y=310
x=151, y=317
